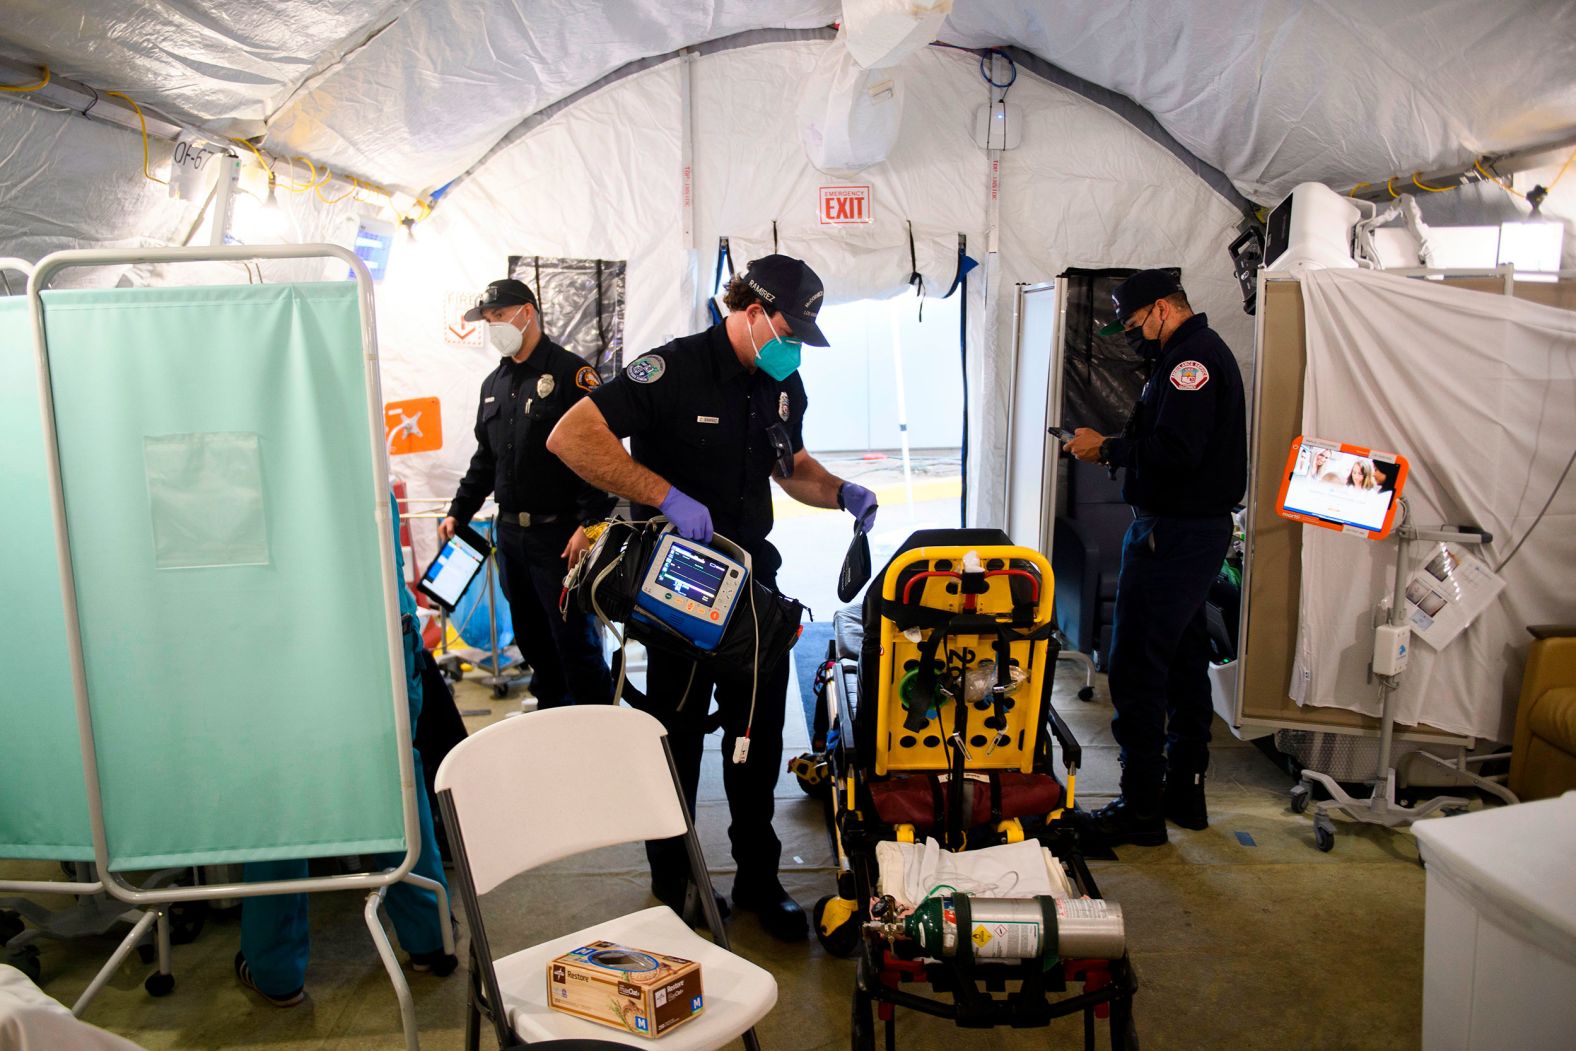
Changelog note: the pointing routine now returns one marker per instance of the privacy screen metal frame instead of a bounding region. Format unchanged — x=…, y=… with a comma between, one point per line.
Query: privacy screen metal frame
x=376, y=883
x=91, y=888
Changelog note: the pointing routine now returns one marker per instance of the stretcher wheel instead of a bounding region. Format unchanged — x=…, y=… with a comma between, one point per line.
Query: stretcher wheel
x=1323, y=833
x=1300, y=795
x=1086, y=693
x=26, y=961
x=844, y=938
x=500, y=690
x=159, y=984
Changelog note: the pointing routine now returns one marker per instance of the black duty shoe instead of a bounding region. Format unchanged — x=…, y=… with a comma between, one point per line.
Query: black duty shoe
x=244, y=973
x=686, y=902
x=1184, y=800
x=779, y=914
x=437, y=962
x=1121, y=822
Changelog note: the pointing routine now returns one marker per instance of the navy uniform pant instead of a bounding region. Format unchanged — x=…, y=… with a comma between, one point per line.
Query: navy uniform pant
x=750, y=786
x=565, y=653
x=1160, y=646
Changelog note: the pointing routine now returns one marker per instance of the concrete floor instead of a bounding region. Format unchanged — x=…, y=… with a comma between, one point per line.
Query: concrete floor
x=1270, y=945
x=1242, y=935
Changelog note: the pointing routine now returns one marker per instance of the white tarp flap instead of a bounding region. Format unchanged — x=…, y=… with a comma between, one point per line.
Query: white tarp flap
x=883, y=32
x=849, y=115
x=1476, y=390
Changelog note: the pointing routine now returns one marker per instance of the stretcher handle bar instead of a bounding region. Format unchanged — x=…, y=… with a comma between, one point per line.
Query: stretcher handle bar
x=908, y=587
x=37, y=282
x=1072, y=751
x=21, y=266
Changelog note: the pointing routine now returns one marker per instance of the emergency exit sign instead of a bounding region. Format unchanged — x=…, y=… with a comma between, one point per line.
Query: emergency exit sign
x=845, y=205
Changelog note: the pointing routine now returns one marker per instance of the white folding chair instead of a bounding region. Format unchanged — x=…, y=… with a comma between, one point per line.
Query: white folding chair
x=530, y=760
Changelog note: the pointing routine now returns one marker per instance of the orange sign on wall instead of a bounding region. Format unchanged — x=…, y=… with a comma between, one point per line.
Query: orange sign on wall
x=413, y=426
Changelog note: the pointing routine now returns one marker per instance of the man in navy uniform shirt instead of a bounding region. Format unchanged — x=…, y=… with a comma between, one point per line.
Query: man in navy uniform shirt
x=543, y=507
x=710, y=418
x=1184, y=452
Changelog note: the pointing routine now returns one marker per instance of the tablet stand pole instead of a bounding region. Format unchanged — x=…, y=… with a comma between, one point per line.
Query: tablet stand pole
x=1381, y=807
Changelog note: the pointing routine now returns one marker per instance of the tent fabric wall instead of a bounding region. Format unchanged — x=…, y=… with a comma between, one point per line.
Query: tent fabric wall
x=1271, y=92
x=601, y=179
x=70, y=183
x=1476, y=393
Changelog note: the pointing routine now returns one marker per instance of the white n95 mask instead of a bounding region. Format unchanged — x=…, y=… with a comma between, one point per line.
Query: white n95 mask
x=505, y=338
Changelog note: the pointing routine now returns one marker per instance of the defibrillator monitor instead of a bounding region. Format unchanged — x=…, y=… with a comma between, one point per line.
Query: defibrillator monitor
x=691, y=588
x=455, y=567
x=1340, y=486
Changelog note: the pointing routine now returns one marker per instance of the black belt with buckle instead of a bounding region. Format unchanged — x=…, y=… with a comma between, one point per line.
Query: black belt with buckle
x=525, y=519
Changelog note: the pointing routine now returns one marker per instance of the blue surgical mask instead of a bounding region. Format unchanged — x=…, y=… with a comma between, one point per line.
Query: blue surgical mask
x=779, y=358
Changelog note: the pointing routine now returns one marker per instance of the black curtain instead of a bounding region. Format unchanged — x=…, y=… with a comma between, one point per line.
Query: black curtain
x=1101, y=377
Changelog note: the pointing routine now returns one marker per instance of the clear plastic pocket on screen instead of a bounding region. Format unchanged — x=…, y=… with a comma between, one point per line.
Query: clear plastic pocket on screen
x=206, y=495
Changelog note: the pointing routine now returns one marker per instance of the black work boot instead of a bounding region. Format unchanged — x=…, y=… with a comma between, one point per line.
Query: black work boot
x=1184, y=796
x=1136, y=816
x=779, y=914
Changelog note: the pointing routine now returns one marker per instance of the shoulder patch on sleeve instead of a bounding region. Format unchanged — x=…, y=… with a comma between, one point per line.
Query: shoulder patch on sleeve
x=1190, y=375
x=587, y=379
x=648, y=368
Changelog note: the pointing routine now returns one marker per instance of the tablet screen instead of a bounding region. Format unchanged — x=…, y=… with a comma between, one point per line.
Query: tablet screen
x=454, y=568
x=1342, y=485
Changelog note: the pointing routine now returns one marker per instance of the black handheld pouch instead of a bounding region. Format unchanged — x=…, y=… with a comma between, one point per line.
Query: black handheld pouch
x=855, y=573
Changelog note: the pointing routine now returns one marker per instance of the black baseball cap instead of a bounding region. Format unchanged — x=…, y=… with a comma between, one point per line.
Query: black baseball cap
x=788, y=287
x=1137, y=292
x=505, y=293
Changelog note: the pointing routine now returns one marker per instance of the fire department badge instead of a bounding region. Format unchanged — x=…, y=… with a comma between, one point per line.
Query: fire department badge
x=782, y=406
x=1190, y=375
x=544, y=385
x=587, y=379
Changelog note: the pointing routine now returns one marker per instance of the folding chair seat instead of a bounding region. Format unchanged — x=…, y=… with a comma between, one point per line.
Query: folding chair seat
x=517, y=795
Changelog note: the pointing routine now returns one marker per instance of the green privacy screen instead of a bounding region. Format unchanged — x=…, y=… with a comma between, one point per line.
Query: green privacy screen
x=216, y=457
x=43, y=805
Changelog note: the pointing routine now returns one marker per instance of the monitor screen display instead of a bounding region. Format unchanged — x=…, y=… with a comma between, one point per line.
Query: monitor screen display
x=690, y=574
x=1340, y=486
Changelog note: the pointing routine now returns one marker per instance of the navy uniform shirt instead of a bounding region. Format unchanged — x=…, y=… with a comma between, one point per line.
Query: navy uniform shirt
x=1186, y=448
x=521, y=402
x=696, y=416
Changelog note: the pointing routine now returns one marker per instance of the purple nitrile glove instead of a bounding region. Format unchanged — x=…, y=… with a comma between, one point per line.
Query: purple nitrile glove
x=690, y=518
x=859, y=502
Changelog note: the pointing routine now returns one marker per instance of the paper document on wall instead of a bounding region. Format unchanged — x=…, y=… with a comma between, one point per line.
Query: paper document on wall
x=1447, y=593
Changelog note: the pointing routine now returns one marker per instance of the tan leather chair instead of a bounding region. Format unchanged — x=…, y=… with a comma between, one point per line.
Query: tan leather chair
x=1543, y=757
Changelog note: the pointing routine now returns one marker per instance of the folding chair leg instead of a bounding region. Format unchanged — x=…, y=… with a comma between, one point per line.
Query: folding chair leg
x=407, y=1009
x=473, y=1012
x=751, y=1041
x=113, y=963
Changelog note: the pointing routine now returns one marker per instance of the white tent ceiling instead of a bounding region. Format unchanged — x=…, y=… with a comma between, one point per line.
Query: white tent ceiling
x=413, y=92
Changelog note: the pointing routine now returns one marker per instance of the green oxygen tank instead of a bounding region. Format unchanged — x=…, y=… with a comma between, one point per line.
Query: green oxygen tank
x=1040, y=928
